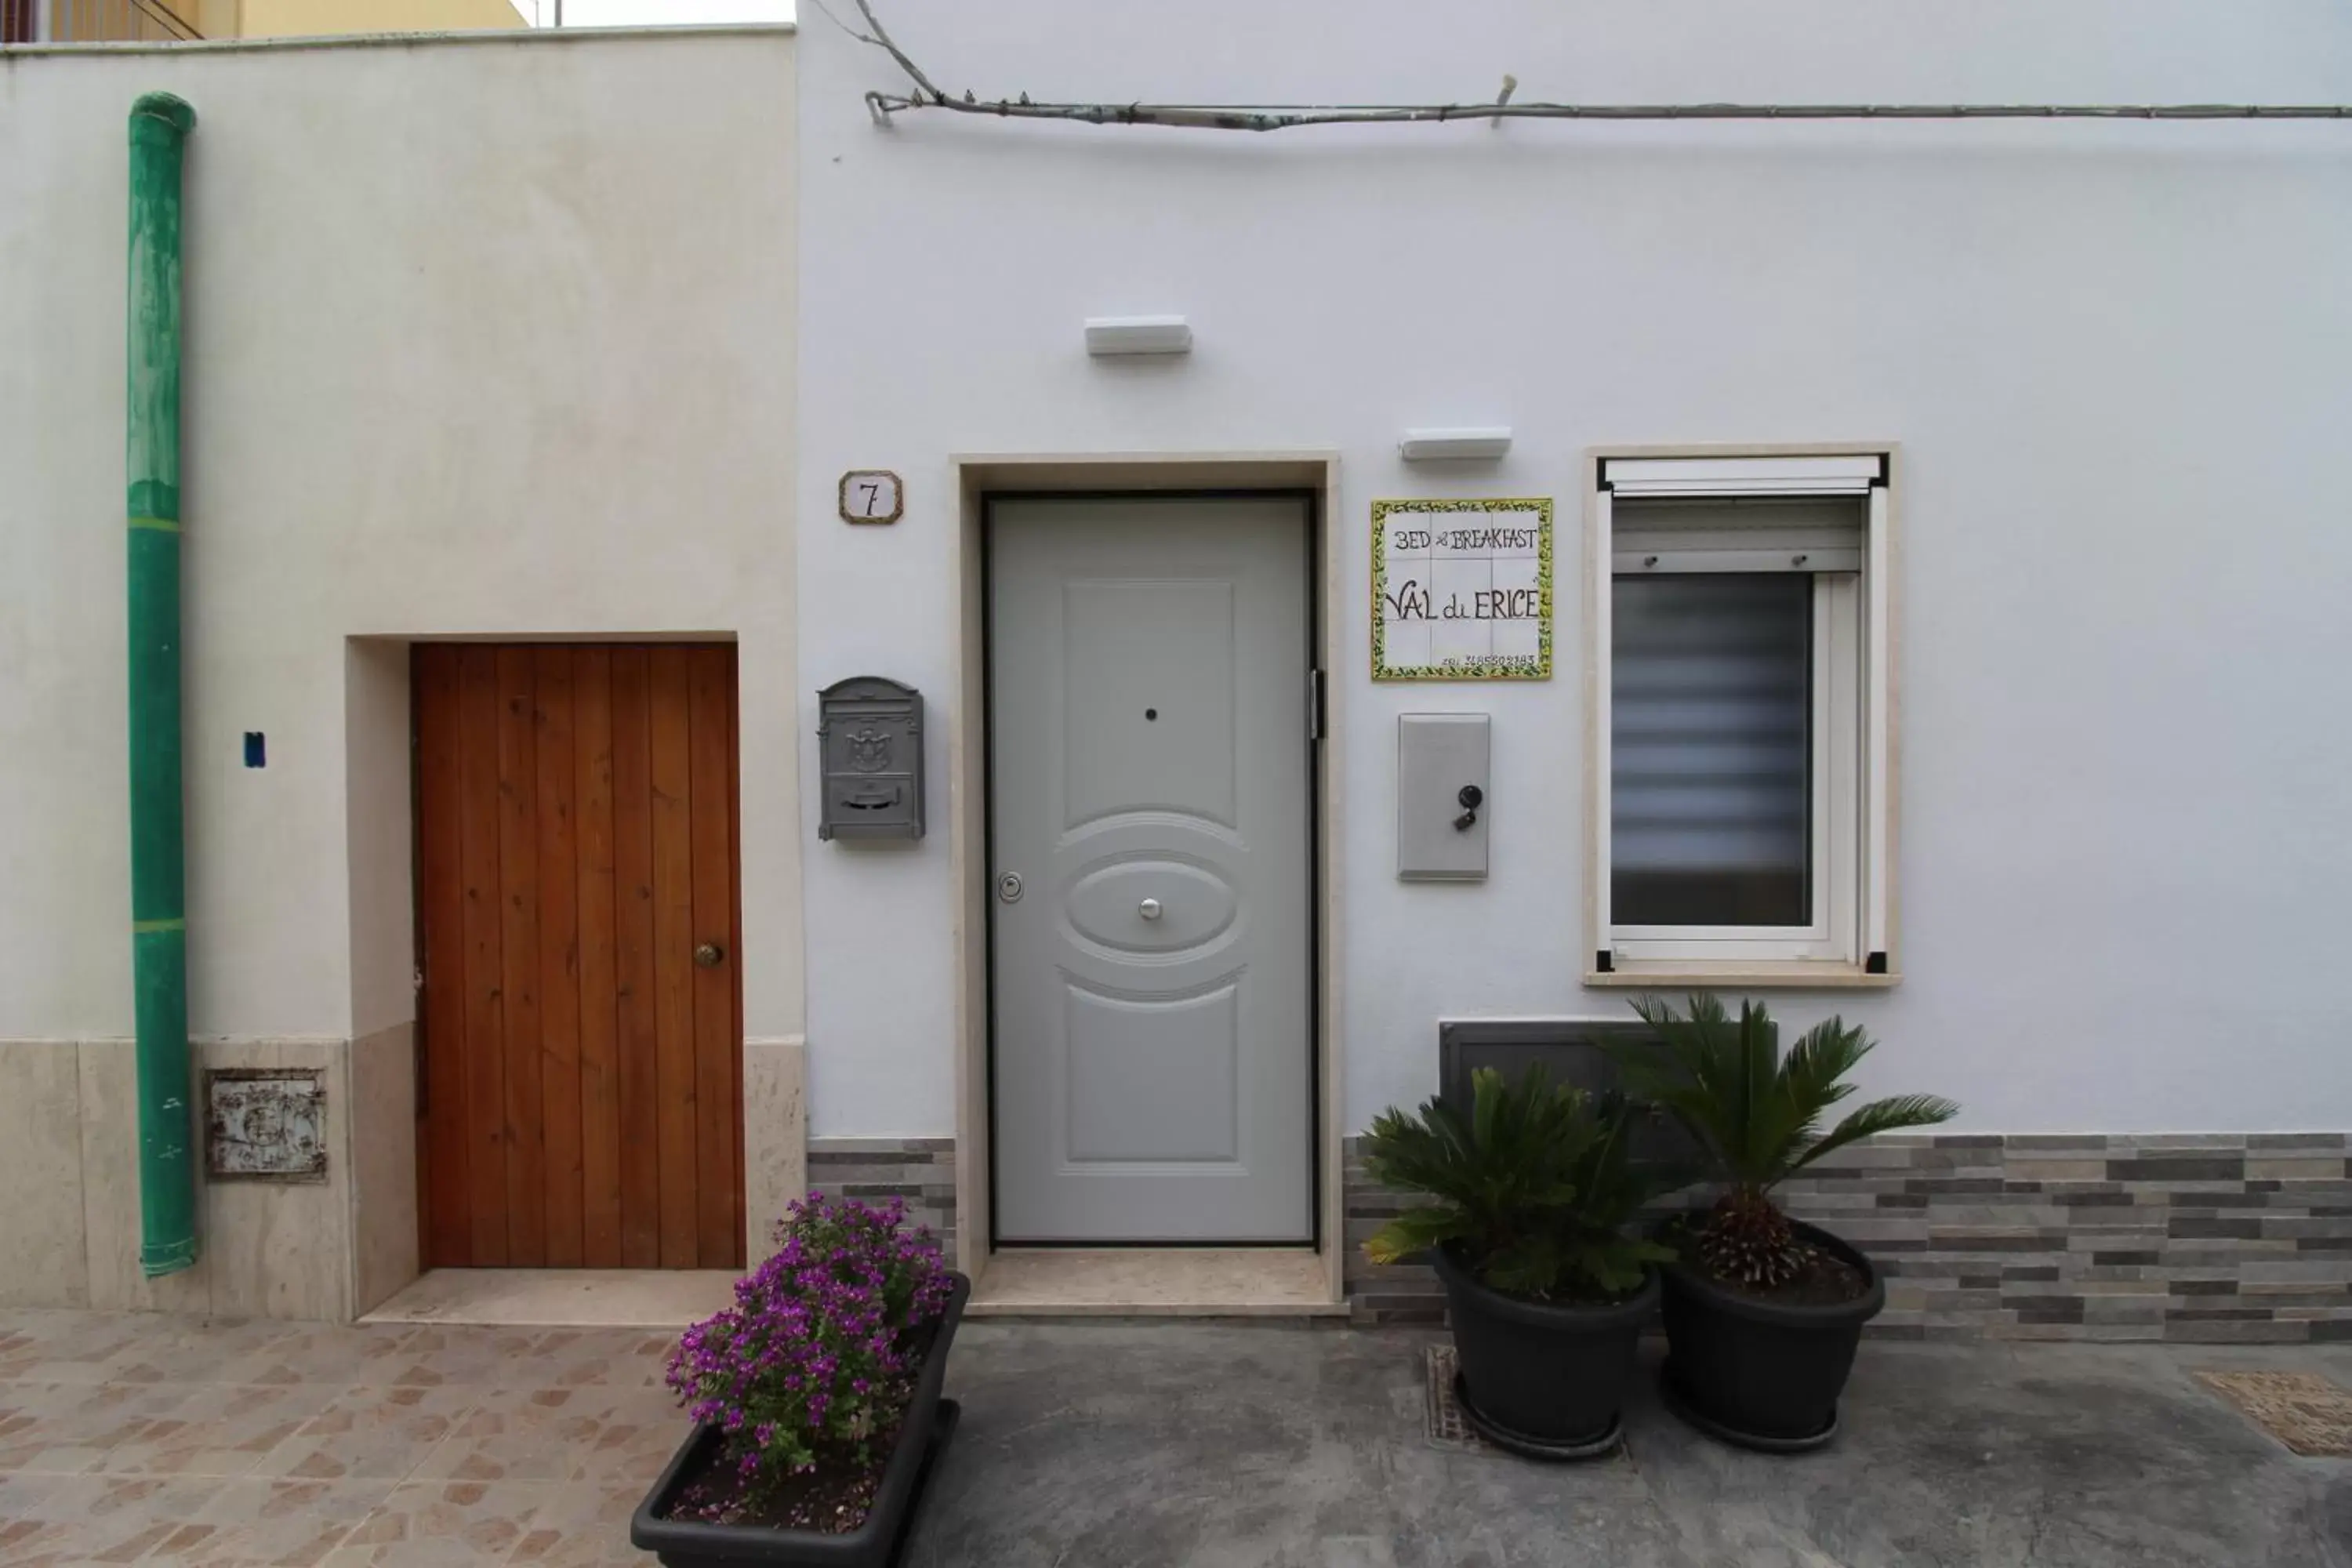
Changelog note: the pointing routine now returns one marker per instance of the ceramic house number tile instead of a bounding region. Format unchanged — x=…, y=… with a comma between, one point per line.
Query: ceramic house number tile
x=871, y=495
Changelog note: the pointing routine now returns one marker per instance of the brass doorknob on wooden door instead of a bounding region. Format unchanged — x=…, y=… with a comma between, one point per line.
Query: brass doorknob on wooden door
x=708, y=954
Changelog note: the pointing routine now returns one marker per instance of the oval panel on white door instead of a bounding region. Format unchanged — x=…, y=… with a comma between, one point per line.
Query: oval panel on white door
x=1152, y=906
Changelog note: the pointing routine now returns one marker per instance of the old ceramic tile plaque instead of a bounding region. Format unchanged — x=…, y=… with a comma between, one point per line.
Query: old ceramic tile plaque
x=265, y=1124
x=1461, y=590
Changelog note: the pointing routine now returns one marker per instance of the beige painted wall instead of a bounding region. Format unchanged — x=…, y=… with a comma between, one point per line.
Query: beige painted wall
x=486, y=337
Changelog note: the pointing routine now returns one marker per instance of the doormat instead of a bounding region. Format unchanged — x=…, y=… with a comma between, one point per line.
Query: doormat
x=1447, y=1429
x=2302, y=1410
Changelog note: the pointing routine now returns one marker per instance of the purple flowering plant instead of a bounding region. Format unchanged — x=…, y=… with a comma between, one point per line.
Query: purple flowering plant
x=818, y=1358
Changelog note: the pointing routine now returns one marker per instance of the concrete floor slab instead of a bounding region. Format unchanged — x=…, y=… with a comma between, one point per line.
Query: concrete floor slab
x=1177, y=1444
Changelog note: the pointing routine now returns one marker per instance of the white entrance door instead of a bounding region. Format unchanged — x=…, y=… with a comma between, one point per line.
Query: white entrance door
x=1150, y=852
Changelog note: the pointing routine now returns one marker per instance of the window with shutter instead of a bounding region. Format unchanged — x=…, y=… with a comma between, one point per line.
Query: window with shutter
x=1740, y=646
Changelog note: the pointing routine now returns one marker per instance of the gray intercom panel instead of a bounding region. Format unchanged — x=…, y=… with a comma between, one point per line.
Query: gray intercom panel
x=870, y=749
x=1443, y=796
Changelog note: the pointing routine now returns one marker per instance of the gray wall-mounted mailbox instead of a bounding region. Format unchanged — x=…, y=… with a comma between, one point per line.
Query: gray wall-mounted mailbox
x=1441, y=790
x=870, y=743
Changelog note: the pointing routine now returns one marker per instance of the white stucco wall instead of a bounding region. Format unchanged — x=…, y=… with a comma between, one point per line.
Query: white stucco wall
x=484, y=337
x=2114, y=354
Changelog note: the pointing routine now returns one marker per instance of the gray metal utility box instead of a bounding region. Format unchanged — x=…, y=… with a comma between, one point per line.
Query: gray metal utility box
x=1443, y=792
x=1574, y=1052
x=870, y=737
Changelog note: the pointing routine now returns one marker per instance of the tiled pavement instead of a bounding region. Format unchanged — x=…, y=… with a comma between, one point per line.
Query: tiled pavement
x=174, y=1440
x=1104, y=1444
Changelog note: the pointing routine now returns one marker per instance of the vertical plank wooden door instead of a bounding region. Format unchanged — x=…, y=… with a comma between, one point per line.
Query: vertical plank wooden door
x=582, y=1013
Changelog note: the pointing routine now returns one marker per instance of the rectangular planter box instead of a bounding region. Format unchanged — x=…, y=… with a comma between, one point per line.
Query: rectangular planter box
x=685, y=1543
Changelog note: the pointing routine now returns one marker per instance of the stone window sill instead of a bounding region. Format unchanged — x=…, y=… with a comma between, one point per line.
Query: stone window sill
x=1794, y=975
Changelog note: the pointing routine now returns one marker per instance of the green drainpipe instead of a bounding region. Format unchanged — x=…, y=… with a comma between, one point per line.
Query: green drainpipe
x=160, y=124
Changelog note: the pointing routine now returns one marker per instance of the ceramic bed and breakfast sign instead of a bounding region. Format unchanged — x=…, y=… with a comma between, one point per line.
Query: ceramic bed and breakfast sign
x=1461, y=590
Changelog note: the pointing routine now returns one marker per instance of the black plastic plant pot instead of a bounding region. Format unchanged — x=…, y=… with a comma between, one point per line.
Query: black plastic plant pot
x=689, y=1543
x=1762, y=1373
x=1542, y=1380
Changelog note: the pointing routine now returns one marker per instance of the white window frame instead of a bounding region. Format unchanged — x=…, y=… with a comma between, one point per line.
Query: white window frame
x=1849, y=939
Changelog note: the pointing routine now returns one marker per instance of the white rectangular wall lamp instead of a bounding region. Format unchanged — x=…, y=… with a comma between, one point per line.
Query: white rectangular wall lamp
x=1138, y=335
x=1435, y=446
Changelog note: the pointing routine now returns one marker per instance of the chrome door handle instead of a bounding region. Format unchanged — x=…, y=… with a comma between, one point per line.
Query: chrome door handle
x=1148, y=908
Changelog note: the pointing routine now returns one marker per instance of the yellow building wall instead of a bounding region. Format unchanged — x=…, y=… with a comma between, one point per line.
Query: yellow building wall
x=131, y=21
x=297, y=18
x=166, y=21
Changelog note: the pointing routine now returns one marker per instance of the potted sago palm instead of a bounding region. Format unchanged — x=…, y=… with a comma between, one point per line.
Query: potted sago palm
x=815, y=1398
x=1763, y=1313
x=1528, y=1224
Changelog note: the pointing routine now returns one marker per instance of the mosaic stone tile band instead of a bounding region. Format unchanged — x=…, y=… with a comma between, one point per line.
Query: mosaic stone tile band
x=919, y=1170
x=2210, y=1238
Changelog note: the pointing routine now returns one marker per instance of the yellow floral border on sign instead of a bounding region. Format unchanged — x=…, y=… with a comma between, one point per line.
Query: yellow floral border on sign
x=1488, y=669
